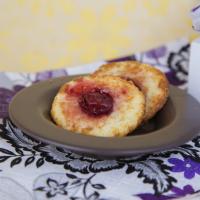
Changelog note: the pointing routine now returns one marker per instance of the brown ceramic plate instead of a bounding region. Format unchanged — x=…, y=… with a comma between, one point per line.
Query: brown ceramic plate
x=174, y=125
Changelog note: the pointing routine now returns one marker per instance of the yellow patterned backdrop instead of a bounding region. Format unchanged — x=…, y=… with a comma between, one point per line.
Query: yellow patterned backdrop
x=46, y=34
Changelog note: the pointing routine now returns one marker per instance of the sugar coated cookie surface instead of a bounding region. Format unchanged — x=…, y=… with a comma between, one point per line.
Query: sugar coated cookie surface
x=151, y=81
x=100, y=106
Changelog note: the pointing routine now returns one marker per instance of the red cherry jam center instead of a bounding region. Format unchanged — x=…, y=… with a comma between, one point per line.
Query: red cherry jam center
x=96, y=102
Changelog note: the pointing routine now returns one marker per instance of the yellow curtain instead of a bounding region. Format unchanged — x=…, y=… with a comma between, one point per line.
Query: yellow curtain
x=48, y=34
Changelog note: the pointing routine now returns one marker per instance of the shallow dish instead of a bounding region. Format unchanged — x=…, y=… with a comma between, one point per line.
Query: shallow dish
x=174, y=125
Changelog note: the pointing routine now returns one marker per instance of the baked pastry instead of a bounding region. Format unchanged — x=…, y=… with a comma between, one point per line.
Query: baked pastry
x=100, y=106
x=151, y=81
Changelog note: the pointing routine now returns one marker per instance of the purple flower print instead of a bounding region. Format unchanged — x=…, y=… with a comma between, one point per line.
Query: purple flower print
x=148, y=196
x=188, y=166
x=17, y=88
x=196, y=8
x=178, y=63
x=188, y=189
x=171, y=76
x=5, y=98
x=176, y=192
x=156, y=53
x=41, y=76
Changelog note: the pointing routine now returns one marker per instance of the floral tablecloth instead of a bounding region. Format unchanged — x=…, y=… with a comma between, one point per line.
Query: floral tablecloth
x=31, y=169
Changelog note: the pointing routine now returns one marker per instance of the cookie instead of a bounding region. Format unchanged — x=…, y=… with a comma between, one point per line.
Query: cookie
x=151, y=81
x=106, y=106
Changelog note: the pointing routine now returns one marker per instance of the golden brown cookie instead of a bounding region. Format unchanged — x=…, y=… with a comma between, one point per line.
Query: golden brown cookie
x=151, y=81
x=100, y=106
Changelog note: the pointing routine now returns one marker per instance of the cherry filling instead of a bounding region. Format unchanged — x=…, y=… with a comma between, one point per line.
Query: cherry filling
x=96, y=102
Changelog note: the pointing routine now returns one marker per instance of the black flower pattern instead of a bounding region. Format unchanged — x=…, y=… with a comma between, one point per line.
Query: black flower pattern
x=24, y=146
x=151, y=168
x=178, y=62
x=39, y=153
x=186, y=150
x=73, y=187
x=53, y=188
x=196, y=141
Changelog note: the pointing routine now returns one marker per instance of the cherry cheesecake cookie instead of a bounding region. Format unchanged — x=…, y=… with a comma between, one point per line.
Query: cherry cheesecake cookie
x=106, y=106
x=151, y=81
